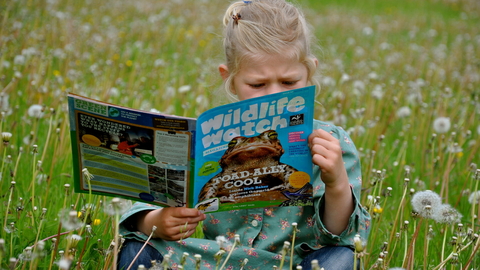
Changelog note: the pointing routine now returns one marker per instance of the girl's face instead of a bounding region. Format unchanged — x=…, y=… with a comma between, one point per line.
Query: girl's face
x=267, y=75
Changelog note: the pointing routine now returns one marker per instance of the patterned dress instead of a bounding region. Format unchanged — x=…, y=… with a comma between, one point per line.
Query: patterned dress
x=263, y=230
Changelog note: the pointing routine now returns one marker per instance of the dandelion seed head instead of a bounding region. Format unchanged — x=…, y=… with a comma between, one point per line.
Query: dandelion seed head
x=6, y=136
x=404, y=112
x=441, y=125
x=64, y=264
x=424, y=198
x=35, y=111
x=70, y=220
x=117, y=206
x=184, y=89
x=474, y=197
x=447, y=214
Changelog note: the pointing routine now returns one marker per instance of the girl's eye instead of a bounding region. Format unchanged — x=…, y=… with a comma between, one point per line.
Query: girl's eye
x=290, y=82
x=258, y=85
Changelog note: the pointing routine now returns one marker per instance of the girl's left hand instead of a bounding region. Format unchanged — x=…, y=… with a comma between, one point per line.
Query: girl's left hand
x=327, y=154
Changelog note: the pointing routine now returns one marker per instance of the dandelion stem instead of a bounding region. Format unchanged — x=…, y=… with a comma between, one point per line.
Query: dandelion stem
x=443, y=243
x=294, y=225
x=229, y=253
x=141, y=249
x=475, y=202
x=50, y=124
x=474, y=251
x=34, y=172
x=411, y=248
x=12, y=187
x=395, y=222
x=115, y=241
x=3, y=161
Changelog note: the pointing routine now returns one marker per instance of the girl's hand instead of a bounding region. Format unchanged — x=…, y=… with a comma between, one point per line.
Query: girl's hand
x=327, y=154
x=173, y=223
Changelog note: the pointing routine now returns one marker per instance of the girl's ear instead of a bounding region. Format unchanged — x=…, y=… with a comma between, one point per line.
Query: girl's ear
x=223, y=69
x=316, y=61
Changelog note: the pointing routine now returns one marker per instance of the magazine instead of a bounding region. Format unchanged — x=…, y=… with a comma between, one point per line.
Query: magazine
x=248, y=154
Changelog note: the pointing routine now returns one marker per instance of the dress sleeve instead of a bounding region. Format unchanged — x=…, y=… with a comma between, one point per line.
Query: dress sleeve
x=126, y=229
x=359, y=222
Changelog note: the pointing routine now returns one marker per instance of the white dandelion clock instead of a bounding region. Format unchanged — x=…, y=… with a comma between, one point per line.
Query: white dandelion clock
x=425, y=203
x=447, y=214
x=35, y=111
x=184, y=88
x=117, y=206
x=474, y=197
x=404, y=112
x=441, y=125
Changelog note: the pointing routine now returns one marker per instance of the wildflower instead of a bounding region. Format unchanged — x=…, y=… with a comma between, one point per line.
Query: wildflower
x=404, y=112
x=359, y=243
x=218, y=256
x=2, y=246
x=117, y=206
x=73, y=240
x=223, y=242
x=6, y=136
x=26, y=255
x=422, y=199
x=35, y=111
x=64, y=264
x=474, y=197
x=87, y=175
x=184, y=88
x=19, y=60
x=245, y=261
x=315, y=265
x=447, y=214
x=70, y=220
x=378, y=209
x=441, y=125
x=198, y=260
x=184, y=258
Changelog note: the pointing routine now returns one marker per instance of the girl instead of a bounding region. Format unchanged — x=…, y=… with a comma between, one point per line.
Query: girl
x=267, y=48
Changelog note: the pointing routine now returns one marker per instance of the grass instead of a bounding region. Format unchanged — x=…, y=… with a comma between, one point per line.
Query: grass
x=376, y=57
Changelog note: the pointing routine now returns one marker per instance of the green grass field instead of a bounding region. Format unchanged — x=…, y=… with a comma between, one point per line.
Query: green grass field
x=402, y=77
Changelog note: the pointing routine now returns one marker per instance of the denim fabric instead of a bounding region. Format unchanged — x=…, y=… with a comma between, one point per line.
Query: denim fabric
x=330, y=258
x=130, y=249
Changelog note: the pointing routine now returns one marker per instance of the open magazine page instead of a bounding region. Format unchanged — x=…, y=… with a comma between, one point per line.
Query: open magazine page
x=255, y=153
x=130, y=153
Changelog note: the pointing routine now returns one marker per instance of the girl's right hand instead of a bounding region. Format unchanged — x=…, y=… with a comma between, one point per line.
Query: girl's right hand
x=173, y=223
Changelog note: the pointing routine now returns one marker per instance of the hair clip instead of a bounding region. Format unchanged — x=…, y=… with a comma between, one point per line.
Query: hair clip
x=247, y=2
x=236, y=17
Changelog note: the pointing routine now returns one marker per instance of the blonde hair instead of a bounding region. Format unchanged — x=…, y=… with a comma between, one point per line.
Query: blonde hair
x=260, y=27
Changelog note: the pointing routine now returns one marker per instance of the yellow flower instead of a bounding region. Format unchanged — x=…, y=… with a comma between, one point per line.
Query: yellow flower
x=97, y=221
x=56, y=73
x=377, y=209
x=129, y=63
x=459, y=154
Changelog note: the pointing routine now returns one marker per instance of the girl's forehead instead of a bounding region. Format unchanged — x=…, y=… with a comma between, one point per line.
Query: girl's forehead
x=265, y=58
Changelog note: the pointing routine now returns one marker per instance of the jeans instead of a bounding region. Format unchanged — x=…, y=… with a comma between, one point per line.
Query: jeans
x=334, y=258
x=330, y=258
x=130, y=249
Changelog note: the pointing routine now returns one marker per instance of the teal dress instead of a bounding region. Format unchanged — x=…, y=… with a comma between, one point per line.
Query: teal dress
x=263, y=230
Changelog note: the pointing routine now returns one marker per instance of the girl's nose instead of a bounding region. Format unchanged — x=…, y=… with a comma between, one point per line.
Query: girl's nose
x=274, y=88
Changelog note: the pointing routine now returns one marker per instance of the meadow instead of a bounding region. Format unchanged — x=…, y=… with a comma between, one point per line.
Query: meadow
x=402, y=77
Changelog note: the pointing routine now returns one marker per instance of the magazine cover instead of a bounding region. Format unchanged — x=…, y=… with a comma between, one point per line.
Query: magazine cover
x=130, y=153
x=255, y=153
x=247, y=154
